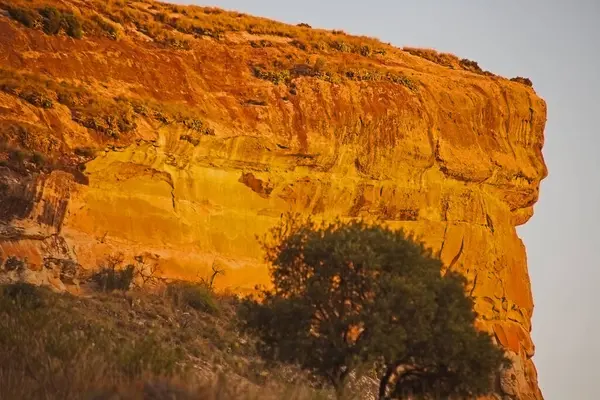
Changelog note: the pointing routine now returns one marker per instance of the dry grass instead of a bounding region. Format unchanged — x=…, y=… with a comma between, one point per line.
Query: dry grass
x=447, y=60
x=286, y=72
x=19, y=154
x=112, y=117
x=132, y=345
x=164, y=23
x=28, y=87
x=220, y=388
x=51, y=20
x=175, y=26
x=27, y=148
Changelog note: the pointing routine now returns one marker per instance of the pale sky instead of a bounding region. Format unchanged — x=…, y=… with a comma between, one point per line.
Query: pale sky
x=557, y=45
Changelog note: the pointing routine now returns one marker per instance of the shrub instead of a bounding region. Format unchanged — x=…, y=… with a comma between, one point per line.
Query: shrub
x=149, y=354
x=87, y=152
x=190, y=139
x=471, y=65
x=111, y=30
x=112, y=276
x=38, y=159
x=195, y=295
x=36, y=98
x=255, y=102
x=260, y=44
x=445, y=59
x=17, y=156
x=524, y=81
x=108, y=117
x=52, y=20
x=23, y=15
x=13, y=264
x=73, y=26
x=23, y=295
x=276, y=77
x=349, y=296
x=299, y=44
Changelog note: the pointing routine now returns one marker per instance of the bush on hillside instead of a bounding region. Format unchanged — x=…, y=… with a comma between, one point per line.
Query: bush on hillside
x=73, y=26
x=195, y=295
x=23, y=15
x=471, y=65
x=51, y=19
x=445, y=59
x=524, y=81
x=53, y=346
x=113, y=276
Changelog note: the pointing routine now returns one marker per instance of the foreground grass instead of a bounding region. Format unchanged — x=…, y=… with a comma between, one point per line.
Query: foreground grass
x=182, y=344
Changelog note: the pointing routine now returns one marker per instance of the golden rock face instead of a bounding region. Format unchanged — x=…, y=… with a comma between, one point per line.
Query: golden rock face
x=455, y=158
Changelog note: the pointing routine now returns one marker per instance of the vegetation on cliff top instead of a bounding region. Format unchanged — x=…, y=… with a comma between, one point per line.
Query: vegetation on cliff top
x=282, y=54
x=110, y=118
x=175, y=26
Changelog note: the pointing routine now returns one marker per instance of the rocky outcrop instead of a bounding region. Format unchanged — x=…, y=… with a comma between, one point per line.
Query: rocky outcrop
x=451, y=155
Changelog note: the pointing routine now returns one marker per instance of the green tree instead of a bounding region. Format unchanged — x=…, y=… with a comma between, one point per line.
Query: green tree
x=347, y=297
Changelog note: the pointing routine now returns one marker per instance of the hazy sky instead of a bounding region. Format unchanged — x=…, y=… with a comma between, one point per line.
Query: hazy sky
x=557, y=45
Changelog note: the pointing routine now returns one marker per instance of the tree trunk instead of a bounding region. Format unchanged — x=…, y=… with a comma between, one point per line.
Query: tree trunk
x=385, y=379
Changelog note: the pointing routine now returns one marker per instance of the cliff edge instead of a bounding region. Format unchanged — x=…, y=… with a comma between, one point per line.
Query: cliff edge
x=181, y=133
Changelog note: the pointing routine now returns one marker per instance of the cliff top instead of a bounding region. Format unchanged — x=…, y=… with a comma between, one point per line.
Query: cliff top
x=170, y=26
x=88, y=75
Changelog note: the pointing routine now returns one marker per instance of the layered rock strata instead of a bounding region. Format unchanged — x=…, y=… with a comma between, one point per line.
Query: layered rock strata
x=451, y=155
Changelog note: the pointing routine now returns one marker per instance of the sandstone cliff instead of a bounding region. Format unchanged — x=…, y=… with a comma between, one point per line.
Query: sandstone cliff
x=184, y=132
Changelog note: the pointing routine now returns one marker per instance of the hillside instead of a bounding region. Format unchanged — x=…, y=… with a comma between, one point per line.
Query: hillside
x=135, y=345
x=177, y=134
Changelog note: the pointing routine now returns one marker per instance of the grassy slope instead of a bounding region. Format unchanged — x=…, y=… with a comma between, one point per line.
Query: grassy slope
x=139, y=345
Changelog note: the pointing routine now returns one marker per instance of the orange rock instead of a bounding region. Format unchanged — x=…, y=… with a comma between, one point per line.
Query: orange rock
x=509, y=336
x=449, y=154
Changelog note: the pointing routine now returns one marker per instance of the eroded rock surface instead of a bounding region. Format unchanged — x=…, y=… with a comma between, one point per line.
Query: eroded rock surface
x=454, y=157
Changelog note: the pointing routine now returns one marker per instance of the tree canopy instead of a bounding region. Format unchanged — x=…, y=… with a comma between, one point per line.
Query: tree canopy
x=348, y=296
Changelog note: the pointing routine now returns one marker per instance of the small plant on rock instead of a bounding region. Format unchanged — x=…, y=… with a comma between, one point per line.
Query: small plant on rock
x=23, y=15
x=73, y=26
x=52, y=20
x=113, y=276
x=38, y=159
x=86, y=152
x=14, y=263
x=524, y=81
